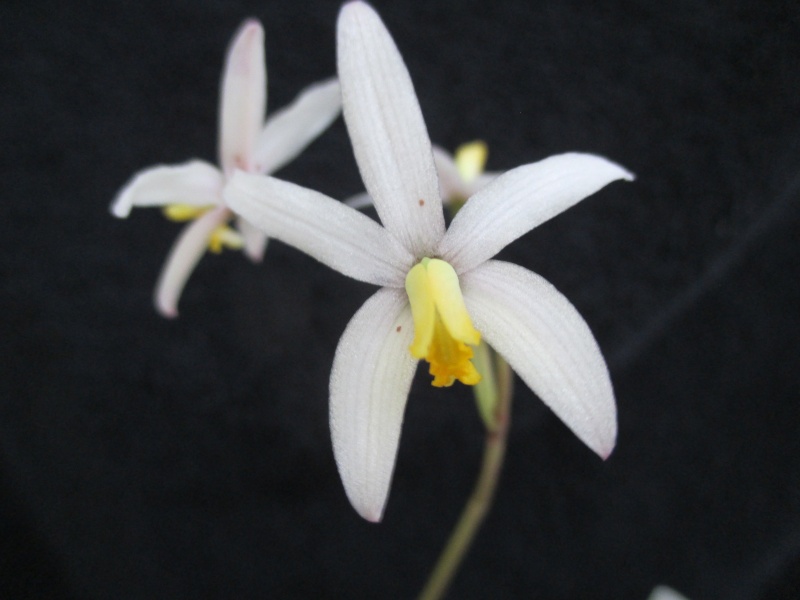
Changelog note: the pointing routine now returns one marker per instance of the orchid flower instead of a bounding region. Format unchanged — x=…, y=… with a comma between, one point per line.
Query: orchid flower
x=440, y=291
x=192, y=191
x=460, y=175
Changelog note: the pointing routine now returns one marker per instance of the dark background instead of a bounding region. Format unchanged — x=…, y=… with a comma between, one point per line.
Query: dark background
x=146, y=458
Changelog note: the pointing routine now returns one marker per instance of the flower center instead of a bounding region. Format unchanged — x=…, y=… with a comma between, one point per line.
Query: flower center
x=222, y=236
x=443, y=331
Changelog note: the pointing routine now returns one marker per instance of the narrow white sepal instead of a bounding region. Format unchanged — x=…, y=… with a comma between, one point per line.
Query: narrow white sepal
x=549, y=345
x=288, y=131
x=243, y=97
x=520, y=200
x=334, y=234
x=187, y=250
x=370, y=381
x=194, y=182
x=386, y=128
x=255, y=240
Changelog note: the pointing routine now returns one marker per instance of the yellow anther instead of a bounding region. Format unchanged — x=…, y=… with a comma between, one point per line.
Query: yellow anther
x=443, y=330
x=470, y=159
x=222, y=237
x=184, y=212
x=225, y=237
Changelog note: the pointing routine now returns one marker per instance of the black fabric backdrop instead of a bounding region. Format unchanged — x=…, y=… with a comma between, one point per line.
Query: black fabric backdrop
x=147, y=458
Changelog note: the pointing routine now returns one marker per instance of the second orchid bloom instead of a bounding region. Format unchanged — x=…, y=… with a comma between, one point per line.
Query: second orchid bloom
x=440, y=291
x=193, y=191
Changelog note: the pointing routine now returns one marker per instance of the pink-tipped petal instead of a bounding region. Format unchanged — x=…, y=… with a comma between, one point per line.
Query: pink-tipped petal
x=243, y=98
x=386, y=128
x=183, y=257
x=549, y=345
x=288, y=131
x=370, y=381
x=195, y=182
x=520, y=200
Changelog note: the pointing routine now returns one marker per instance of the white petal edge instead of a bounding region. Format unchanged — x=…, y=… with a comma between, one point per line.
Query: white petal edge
x=243, y=97
x=334, y=234
x=187, y=250
x=288, y=131
x=255, y=240
x=662, y=592
x=370, y=380
x=195, y=182
x=520, y=200
x=549, y=345
x=358, y=201
x=386, y=128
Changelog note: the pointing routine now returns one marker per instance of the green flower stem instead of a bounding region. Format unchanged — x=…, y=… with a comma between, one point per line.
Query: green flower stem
x=482, y=495
x=486, y=391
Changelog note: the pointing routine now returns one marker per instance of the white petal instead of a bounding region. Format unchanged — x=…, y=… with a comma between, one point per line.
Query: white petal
x=388, y=134
x=195, y=182
x=243, y=97
x=334, y=234
x=370, y=380
x=547, y=342
x=520, y=200
x=184, y=255
x=662, y=592
x=255, y=240
x=288, y=131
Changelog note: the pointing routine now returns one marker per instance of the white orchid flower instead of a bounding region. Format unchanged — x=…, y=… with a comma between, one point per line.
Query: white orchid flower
x=440, y=292
x=460, y=175
x=192, y=191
